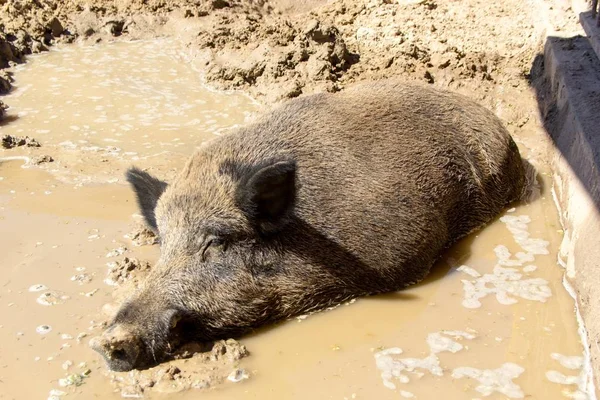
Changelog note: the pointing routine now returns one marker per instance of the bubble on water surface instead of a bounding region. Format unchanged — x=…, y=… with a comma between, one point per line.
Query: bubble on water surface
x=43, y=329
x=37, y=288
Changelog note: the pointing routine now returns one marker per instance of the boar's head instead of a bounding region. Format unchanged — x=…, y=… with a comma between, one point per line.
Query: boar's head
x=220, y=270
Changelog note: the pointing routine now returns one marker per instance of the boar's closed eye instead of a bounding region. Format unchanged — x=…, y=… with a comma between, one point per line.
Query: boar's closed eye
x=213, y=244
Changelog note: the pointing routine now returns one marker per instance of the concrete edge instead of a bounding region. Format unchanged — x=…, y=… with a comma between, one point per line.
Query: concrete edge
x=570, y=102
x=591, y=28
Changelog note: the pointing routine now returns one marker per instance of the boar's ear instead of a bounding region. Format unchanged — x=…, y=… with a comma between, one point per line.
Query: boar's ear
x=148, y=190
x=267, y=194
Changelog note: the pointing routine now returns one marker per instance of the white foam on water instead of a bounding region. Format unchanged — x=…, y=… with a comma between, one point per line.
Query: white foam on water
x=494, y=380
x=394, y=368
x=517, y=225
x=575, y=363
x=37, y=288
x=505, y=282
x=570, y=362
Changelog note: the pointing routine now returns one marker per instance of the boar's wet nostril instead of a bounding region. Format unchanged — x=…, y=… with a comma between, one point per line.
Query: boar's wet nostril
x=118, y=354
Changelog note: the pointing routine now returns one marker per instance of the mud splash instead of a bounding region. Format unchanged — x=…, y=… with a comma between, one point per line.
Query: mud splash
x=492, y=320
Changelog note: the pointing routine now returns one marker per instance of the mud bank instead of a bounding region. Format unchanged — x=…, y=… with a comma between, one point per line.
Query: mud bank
x=568, y=91
x=280, y=49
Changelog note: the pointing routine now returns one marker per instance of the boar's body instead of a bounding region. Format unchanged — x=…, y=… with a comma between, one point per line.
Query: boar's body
x=329, y=197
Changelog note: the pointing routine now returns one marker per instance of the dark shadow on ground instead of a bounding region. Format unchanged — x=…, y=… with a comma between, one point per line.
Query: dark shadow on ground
x=7, y=119
x=576, y=63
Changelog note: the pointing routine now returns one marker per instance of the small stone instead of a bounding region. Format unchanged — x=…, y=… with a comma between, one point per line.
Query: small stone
x=81, y=336
x=116, y=252
x=41, y=160
x=55, y=27
x=239, y=374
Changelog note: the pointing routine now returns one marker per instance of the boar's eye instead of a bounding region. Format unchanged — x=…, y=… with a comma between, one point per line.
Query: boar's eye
x=213, y=244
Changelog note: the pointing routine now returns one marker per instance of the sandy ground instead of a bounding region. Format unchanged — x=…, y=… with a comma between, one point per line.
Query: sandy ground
x=274, y=50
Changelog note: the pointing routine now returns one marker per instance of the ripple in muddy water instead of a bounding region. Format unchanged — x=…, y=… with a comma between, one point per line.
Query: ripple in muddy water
x=97, y=109
x=493, y=320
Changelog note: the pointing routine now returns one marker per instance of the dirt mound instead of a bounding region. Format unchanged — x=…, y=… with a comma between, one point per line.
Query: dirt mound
x=280, y=56
x=196, y=366
x=276, y=50
x=9, y=141
x=130, y=270
x=142, y=236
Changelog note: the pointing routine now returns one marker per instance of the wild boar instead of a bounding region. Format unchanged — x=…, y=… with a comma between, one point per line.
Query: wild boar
x=327, y=198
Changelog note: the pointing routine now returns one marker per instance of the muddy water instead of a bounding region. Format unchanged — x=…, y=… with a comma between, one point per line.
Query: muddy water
x=492, y=320
x=116, y=105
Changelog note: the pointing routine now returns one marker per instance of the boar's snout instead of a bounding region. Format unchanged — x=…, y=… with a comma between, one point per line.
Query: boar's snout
x=120, y=348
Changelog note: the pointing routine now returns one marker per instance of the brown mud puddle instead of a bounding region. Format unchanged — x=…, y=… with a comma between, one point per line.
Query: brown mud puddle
x=493, y=320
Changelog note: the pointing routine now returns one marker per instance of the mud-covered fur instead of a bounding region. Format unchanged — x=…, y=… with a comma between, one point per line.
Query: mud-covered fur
x=329, y=197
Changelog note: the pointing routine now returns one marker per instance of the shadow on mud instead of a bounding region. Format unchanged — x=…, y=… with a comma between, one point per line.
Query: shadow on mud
x=7, y=119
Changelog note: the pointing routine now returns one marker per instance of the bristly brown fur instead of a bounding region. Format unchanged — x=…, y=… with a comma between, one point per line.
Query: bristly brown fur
x=328, y=197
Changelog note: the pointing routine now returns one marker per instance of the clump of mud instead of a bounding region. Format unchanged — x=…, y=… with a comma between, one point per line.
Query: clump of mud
x=128, y=270
x=277, y=56
x=273, y=53
x=10, y=141
x=196, y=366
x=38, y=160
x=3, y=107
x=288, y=55
x=142, y=236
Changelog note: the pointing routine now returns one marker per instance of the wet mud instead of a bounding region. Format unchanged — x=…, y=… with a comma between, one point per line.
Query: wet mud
x=493, y=320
